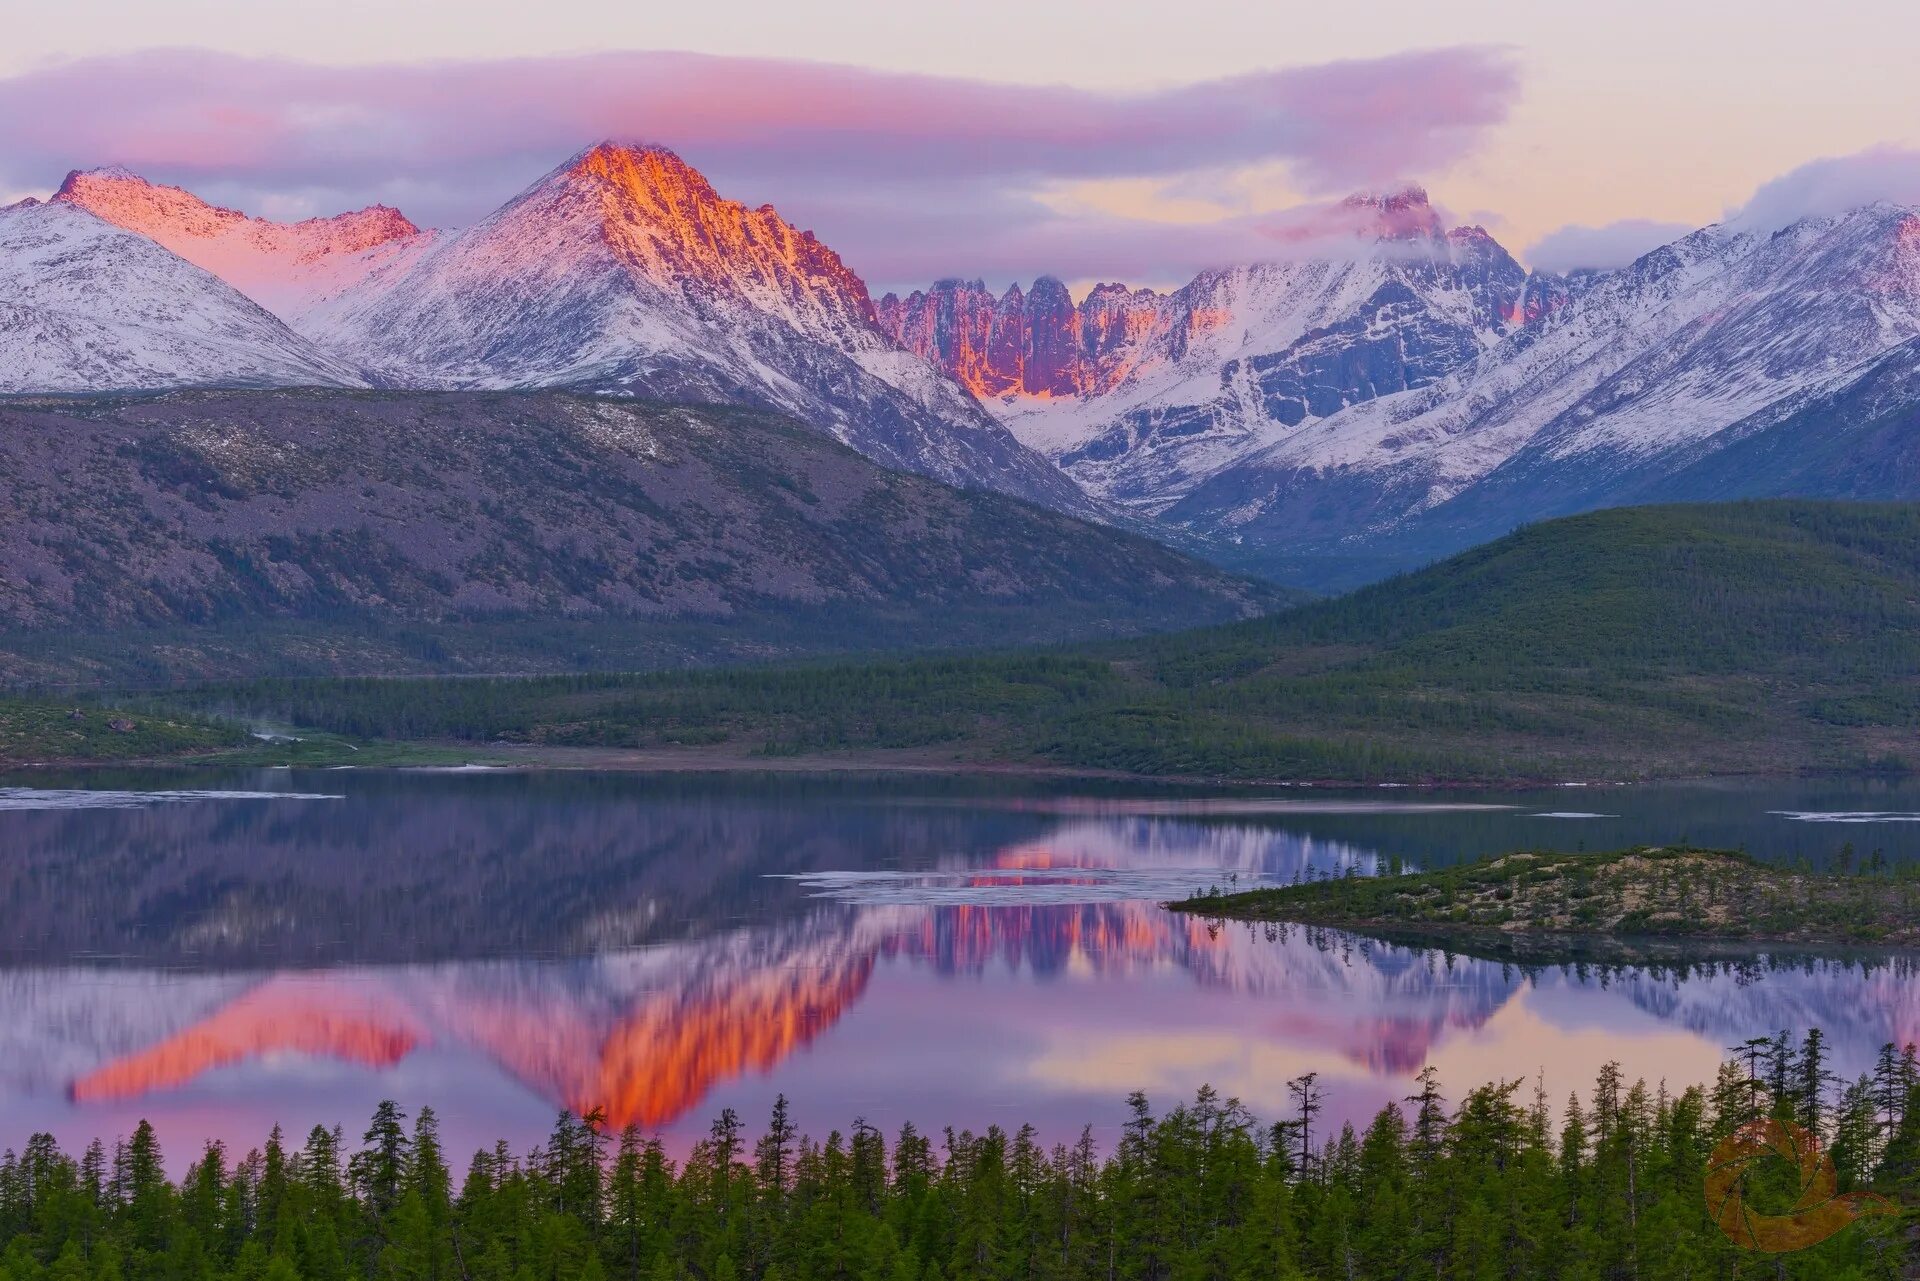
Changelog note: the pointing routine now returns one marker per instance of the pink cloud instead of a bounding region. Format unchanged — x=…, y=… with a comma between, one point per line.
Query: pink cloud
x=448, y=140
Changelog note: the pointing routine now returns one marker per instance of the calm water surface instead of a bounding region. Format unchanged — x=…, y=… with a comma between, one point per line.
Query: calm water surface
x=222, y=952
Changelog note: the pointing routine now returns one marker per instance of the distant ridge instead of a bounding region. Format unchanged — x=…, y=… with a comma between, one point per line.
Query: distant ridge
x=1740, y=638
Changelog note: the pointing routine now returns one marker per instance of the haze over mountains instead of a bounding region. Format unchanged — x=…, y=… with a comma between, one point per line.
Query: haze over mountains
x=1382, y=394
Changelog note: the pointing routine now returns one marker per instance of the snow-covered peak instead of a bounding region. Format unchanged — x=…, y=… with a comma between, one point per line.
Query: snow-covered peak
x=300, y=271
x=173, y=214
x=663, y=223
x=103, y=173
x=637, y=166
x=624, y=270
x=1406, y=214
x=89, y=306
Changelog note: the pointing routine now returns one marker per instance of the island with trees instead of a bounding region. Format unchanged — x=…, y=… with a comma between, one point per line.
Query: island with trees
x=1659, y=893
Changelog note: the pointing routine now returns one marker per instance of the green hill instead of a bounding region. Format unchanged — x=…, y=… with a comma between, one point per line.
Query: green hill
x=1748, y=637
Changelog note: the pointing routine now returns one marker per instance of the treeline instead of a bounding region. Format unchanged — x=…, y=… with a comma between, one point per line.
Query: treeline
x=1491, y=1186
x=884, y=703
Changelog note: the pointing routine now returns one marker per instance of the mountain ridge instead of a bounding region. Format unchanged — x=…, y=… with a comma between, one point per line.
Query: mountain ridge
x=88, y=306
x=299, y=271
x=1652, y=369
x=1340, y=417
x=621, y=271
x=307, y=530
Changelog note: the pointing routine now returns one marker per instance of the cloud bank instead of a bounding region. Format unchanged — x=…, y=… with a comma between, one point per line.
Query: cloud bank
x=858, y=154
x=1602, y=248
x=1831, y=185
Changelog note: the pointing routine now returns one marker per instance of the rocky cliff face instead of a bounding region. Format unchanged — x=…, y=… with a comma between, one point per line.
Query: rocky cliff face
x=1031, y=343
x=1170, y=388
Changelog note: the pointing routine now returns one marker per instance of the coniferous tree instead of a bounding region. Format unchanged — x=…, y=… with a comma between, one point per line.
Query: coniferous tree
x=1485, y=1189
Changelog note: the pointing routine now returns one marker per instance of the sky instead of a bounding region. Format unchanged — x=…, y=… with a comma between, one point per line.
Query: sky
x=1001, y=138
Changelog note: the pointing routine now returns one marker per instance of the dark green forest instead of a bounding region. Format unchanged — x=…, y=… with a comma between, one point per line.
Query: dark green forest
x=1495, y=1184
x=1722, y=639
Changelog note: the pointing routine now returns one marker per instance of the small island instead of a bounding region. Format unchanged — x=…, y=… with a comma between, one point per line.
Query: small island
x=1650, y=892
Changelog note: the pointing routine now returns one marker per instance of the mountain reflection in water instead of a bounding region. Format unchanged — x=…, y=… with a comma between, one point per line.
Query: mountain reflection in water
x=1016, y=966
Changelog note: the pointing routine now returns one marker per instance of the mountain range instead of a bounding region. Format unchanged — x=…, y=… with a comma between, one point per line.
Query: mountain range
x=1386, y=392
x=621, y=272
x=1335, y=417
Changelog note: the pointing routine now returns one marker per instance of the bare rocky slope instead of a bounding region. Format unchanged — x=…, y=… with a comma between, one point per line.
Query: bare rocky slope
x=152, y=530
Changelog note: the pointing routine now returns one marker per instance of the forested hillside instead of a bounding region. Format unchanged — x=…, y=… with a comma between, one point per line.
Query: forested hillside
x=159, y=537
x=1764, y=636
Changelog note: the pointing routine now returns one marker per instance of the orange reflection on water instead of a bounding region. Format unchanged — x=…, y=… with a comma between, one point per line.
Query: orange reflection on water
x=652, y=1055
x=283, y=1015
x=662, y=1060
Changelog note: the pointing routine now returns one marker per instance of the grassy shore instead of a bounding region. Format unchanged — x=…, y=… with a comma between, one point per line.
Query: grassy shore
x=35, y=731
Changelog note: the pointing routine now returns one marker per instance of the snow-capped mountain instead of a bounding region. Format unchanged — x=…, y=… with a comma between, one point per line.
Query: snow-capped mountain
x=1385, y=391
x=1614, y=397
x=87, y=306
x=1139, y=396
x=623, y=270
x=302, y=272
x=1378, y=404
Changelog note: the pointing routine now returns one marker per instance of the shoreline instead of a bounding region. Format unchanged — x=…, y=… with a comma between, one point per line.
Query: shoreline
x=442, y=755
x=528, y=759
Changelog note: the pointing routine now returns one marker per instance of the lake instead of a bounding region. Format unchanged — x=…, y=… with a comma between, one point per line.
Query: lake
x=221, y=951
